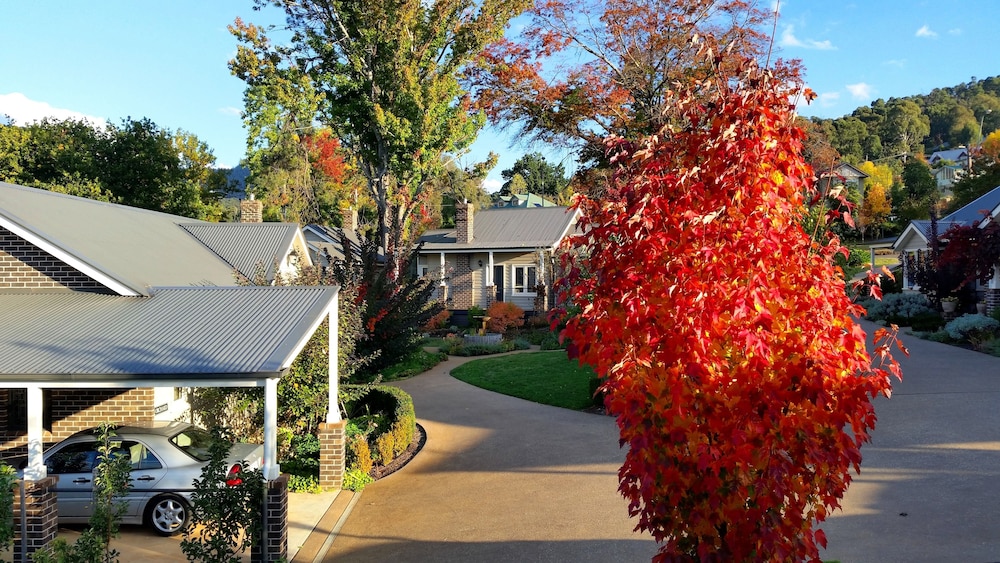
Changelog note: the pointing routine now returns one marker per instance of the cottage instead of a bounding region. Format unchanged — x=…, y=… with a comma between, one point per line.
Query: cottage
x=496, y=254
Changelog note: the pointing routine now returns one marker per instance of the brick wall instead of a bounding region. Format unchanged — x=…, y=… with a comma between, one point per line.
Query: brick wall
x=461, y=284
x=24, y=265
x=73, y=410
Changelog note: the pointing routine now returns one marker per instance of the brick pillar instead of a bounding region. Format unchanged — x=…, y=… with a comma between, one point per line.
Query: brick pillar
x=40, y=517
x=275, y=546
x=332, y=450
x=251, y=211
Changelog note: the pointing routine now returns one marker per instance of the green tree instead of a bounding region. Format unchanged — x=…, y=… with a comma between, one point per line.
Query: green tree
x=904, y=128
x=917, y=196
x=388, y=74
x=454, y=185
x=540, y=177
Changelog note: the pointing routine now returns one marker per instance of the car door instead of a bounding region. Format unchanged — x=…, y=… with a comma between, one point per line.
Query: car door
x=146, y=473
x=74, y=464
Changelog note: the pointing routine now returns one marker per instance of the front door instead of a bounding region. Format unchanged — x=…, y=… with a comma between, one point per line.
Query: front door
x=498, y=282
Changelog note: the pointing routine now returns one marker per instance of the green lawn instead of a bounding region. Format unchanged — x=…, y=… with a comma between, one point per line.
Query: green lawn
x=547, y=377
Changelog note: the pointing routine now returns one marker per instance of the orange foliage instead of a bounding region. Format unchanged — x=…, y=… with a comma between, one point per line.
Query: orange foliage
x=504, y=316
x=738, y=374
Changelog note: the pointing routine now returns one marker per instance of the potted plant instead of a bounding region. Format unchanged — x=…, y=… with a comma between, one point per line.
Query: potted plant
x=981, y=307
x=949, y=304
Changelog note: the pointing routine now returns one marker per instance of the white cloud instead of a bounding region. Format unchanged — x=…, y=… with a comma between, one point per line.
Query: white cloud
x=955, y=31
x=788, y=39
x=898, y=63
x=492, y=185
x=828, y=99
x=24, y=110
x=229, y=110
x=860, y=91
x=925, y=31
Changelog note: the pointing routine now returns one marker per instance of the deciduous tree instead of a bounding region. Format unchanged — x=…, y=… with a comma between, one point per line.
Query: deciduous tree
x=739, y=377
x=540, y=177
x=584, y=69
x=387, y=73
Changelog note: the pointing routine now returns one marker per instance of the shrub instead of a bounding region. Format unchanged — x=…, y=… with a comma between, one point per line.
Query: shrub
x=898, y=308
x=504, y=316
x=437, y=322
x=8, y=479
x=972, y=328
x=355, y=480
x=361, y=455
x=402, y=433
x=551, y=342
x=303, y=484
x=386, y=447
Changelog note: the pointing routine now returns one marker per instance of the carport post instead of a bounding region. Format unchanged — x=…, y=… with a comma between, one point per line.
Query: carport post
x=36, y=495
x=35, y=471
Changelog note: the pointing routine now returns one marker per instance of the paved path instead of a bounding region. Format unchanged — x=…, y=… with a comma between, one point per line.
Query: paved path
x=500, y=479
x=929, y=488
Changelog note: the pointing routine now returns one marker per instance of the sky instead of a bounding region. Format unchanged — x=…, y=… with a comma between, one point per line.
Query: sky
x=111, y=59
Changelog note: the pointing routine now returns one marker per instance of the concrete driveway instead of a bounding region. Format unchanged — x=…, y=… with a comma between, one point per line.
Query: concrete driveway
x=929, y=488
x=499, y=479
x=502, y=479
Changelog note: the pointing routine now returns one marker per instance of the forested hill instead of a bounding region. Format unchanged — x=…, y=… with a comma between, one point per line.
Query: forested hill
x=945, y=118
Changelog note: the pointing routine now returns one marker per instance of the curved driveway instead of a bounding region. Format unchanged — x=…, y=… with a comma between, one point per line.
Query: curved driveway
x=502, y=479
x=499, y=479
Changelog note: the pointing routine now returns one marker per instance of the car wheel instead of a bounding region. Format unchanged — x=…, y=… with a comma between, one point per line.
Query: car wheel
x=168, y=514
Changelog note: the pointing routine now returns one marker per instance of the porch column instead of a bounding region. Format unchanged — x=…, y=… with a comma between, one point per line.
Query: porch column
x=35, y=470
x=333, y=387
x=271, y=469
x=332, y=450
x=489, y=272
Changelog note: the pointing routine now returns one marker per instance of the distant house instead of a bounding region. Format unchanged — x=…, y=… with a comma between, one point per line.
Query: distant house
x=496, y=254
x=916, y=237
x=327, y=243
x=959, y=156
x=847, y=175
x=946, y=176
x=523, y=200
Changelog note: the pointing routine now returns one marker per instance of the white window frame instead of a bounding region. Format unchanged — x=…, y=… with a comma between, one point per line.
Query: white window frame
x=513, y=279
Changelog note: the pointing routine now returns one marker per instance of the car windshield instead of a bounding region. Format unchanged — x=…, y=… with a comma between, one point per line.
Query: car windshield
x=194, y=442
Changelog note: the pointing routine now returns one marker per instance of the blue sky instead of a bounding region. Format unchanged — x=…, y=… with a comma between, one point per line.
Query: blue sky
x=111, y=59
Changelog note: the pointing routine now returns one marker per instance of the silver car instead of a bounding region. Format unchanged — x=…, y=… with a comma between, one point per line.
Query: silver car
x=166, y=459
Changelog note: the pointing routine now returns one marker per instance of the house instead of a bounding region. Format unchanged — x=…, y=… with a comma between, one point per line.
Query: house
x=523, y=200
x=847, y=175
x=915, y=238
x=959, y=156
x=946, y=176
x=327, y=243
x=108, y=312
x=496, y=254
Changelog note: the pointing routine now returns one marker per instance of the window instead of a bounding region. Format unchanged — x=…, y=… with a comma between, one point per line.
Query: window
x=524, y=279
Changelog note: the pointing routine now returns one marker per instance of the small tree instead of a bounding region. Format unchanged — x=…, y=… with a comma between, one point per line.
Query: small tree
x=112, y=478
x=8, y=480
x=733, y=363
x=227, y=515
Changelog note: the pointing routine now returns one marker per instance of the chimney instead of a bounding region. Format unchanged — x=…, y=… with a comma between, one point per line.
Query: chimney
x=463, y=222
x=251, y=211
x=349, y=219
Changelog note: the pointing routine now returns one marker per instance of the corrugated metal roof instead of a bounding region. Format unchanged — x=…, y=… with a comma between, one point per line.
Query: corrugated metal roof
x=135, y=247
x=972, y=212
x=244, y=245
x=507, y=228
x=242, y=332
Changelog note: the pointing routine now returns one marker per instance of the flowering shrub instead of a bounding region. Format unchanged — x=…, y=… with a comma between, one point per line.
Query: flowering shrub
x=972, y=328
x=437, y=322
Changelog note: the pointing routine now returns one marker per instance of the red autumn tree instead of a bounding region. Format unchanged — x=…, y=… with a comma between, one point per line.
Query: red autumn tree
x=734, y=363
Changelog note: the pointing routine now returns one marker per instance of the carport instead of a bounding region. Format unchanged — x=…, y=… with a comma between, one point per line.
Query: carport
x=174, y=337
